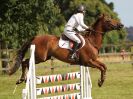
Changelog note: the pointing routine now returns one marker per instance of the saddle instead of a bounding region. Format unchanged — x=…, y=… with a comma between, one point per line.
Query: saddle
x=64, y=37
x=66, y=43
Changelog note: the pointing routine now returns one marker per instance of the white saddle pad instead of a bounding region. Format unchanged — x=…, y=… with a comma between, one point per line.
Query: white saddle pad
x=67, y=44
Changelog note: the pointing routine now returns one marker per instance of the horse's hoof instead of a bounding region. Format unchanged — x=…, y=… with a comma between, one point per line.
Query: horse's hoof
x=100, y=83
x=19, y=81
x=9, y=72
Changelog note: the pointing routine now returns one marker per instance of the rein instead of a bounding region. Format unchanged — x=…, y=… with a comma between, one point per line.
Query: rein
x=96, y=31
x=91, y=31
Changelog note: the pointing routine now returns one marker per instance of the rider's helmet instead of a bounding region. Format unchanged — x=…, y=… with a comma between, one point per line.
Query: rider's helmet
x=81, y=8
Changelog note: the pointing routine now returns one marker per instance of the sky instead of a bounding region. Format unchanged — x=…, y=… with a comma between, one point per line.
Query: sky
x=124, y=8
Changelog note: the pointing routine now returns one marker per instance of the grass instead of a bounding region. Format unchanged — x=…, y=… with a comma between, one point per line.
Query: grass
x=118, y=84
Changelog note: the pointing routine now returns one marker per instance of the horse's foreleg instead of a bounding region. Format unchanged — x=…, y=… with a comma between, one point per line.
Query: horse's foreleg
x=104, y=72
x=101, y=67
x=25, y=65
x=102, y=64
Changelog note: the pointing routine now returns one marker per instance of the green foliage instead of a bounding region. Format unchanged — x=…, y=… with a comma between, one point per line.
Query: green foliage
x=18, y=22
x=22, y=19
x=49, y=15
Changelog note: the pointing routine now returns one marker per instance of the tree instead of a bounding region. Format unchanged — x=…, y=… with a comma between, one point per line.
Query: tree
x=49, y=16
x=22, y=19
x=18, y=22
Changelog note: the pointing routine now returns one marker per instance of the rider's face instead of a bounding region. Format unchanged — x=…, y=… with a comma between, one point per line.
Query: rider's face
x=84, y=12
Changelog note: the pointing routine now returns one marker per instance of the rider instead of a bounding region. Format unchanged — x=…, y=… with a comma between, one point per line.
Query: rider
x=76, y=20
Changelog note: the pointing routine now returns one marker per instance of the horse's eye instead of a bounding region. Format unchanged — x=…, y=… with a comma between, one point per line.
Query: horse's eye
x=108, y=20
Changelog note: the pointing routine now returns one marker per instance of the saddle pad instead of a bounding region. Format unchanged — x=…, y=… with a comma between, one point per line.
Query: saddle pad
x=67, y=44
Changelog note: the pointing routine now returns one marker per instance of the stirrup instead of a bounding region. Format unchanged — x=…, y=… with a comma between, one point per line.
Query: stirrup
x=73, y=57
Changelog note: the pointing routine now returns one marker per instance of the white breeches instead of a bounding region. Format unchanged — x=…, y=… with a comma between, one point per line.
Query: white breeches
x=71, y=34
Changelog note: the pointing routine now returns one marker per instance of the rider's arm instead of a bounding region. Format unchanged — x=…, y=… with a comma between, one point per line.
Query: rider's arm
x=79, y=28
x=81, y=21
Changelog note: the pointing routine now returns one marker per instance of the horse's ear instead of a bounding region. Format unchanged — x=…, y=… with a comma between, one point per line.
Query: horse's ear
x=103, y=15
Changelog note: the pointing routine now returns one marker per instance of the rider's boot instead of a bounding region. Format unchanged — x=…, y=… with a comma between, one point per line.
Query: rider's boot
x=73, y=55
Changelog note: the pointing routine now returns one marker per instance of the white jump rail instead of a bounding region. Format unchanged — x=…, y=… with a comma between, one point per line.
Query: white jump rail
x=31, y=92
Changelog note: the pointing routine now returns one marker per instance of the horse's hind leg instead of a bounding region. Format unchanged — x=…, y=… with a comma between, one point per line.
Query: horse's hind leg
x=25, y=65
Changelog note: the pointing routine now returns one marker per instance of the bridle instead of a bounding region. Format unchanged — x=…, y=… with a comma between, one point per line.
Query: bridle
x=94, y=31
x=98, y=31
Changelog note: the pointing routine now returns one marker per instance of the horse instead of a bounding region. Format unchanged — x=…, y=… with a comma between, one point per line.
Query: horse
x=47, y=47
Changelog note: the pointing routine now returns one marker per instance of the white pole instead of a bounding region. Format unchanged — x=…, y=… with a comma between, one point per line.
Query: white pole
x=30, y=91
x=81, y=81
x=86, y=84
x=89, y=84
x=32, y=76
x=85, y=91
x=24, y=93
x=28, y=82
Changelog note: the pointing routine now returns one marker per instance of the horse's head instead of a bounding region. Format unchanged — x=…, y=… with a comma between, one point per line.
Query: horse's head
x=109, y=24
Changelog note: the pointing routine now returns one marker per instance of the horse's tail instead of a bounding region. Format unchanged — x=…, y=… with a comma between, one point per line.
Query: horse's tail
x=19, y=57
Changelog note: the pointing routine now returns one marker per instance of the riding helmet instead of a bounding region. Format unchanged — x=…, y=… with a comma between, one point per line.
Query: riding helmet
x=81, y=8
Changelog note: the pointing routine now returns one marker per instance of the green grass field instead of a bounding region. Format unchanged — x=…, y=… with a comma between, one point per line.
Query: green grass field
x=118, y=84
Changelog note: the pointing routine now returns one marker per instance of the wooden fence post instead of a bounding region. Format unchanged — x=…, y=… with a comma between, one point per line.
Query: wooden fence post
x=52, y=65
x=4, y=56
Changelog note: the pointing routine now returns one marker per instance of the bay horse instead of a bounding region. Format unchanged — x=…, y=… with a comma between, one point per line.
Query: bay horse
x=47, y=46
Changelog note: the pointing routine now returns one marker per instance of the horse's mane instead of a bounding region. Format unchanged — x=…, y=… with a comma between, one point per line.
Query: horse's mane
x=95, y=23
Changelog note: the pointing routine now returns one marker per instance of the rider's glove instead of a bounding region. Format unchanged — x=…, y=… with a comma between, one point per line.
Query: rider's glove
x=89, y=29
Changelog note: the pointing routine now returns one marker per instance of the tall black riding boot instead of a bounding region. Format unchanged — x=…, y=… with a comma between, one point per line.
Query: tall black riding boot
x=73, y=52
